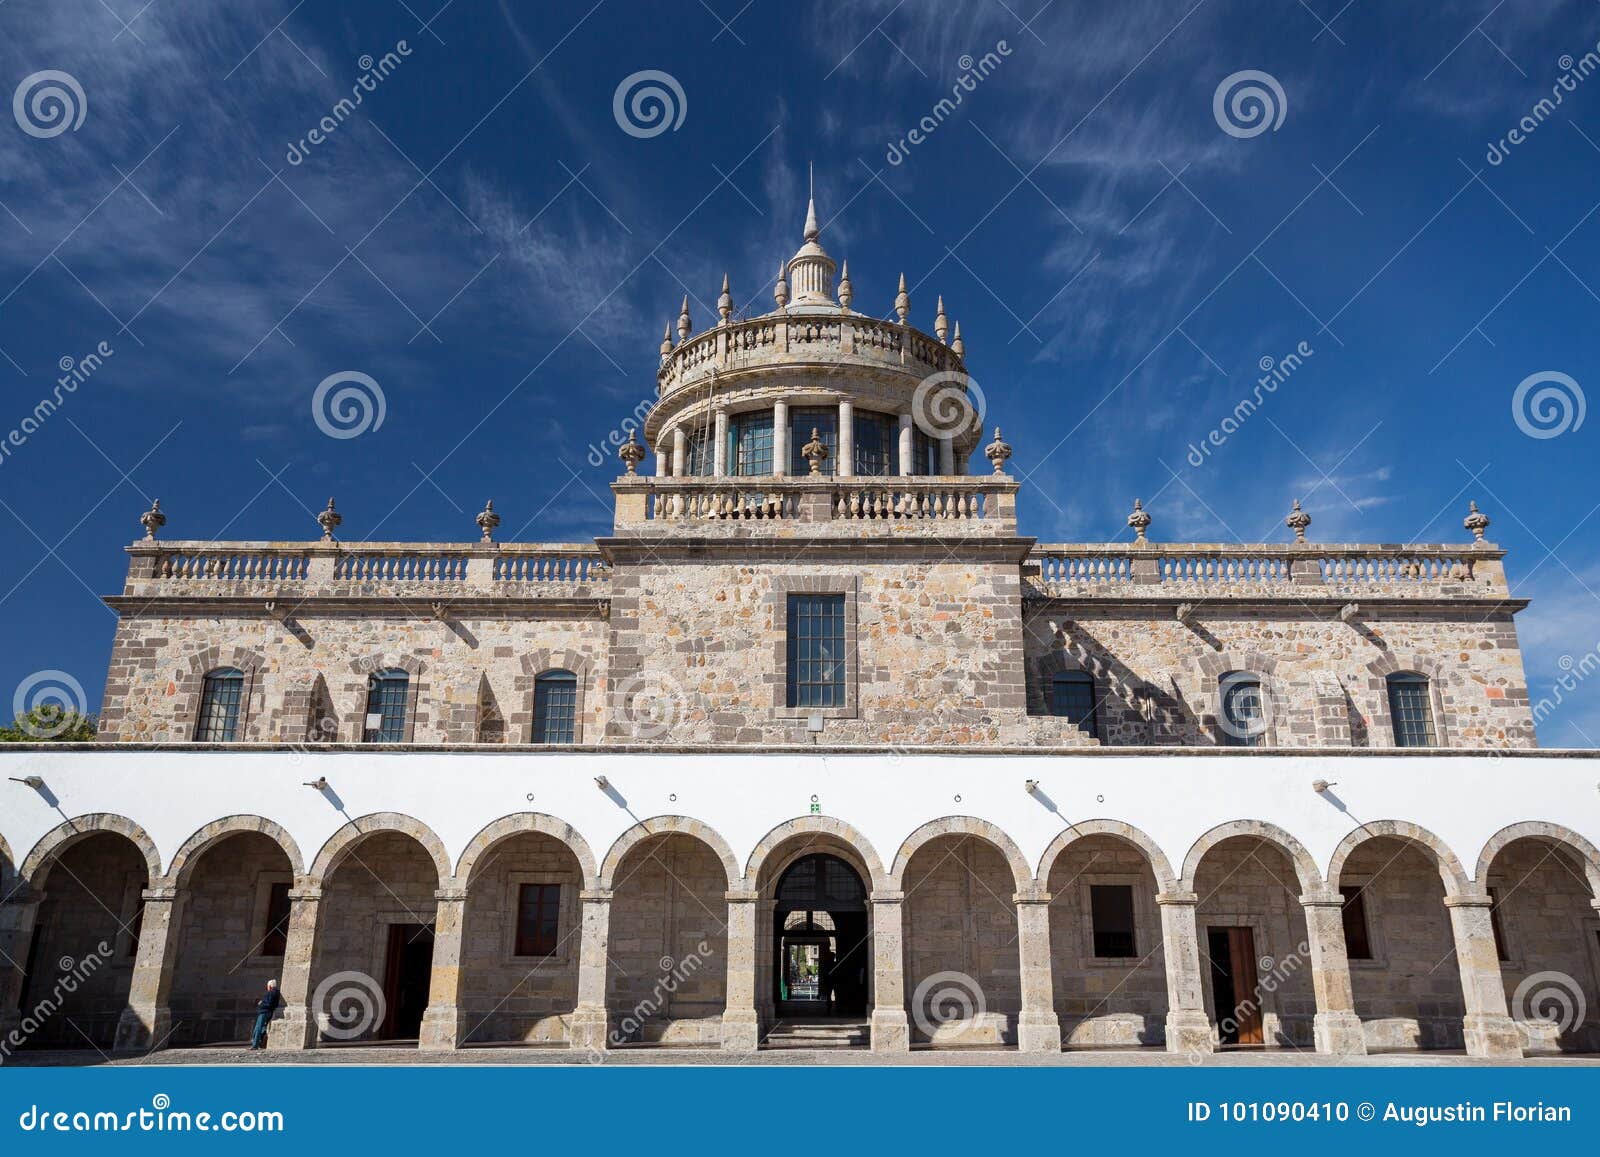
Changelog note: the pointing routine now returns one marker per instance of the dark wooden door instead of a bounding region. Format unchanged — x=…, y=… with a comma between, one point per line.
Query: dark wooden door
x=408, y=973
x=1234, y=990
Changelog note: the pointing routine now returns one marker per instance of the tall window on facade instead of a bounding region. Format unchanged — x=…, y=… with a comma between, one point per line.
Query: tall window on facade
x=386, y=707
x=1072, y=697
x=1111, y=915
x=825, y=421
x=924, y=453
x=875, y=444
x=275, y=940
x=750, y=444
x=697, y=453
x=538, y=919
x=816, y=651
x=1411, y=709
x=1357, y=943
x=219, y=706
x=1244, y=711
x=555, y=706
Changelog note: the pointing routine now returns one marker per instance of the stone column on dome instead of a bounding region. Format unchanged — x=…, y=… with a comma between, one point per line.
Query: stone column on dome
x=847, y=440
x=719, y=452
x=680, y=452
x=908, y=445
x=947, y=456
x=780, y=436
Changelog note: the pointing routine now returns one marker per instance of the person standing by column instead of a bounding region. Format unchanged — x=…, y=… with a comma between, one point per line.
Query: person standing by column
x=265, y=1007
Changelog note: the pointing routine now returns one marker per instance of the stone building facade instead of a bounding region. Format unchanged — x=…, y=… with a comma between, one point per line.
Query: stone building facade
x=816, y=747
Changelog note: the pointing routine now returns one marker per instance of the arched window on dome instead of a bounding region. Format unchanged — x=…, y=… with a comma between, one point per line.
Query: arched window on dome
x=220, y=704
x=555, y=707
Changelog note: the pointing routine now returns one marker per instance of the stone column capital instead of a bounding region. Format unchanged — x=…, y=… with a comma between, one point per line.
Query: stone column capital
x=306, y=894
x=22, y=895
x=1031, y=898
x=1178, y=899
x=741, y=896
x=887, y=897
x=595, y=895
x=159, y=892
x=1468, y=901
x=1322, y=900
x=452, y=895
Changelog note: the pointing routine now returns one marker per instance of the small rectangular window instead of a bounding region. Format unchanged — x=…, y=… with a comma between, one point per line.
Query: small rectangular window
x=555, y=705
x=1072, y=697
x=1111, y=913
x=275, y=942
x=538, y=919
x=816, y=658
x=220, y=697
x=1412, y=711
x=386, y=708
x=1357, y=944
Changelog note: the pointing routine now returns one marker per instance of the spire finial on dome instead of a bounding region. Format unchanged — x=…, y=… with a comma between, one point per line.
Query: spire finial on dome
x=666, y=341
x=902, y=300
x=725, y=302
x=780, y=291
x=812, y=231
x=941, y=323
x=846, y=290
x=684, y=324
x=957, y=346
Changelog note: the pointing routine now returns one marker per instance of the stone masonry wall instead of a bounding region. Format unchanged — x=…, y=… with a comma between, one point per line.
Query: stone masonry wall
x=1106, y=1001
x=220, y=971
x=1156, y=678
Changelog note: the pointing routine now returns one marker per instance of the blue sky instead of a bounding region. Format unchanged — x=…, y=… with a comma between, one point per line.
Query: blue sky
x=483, y=240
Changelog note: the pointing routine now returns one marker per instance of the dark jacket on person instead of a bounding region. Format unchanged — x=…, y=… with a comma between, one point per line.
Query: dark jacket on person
x=269, y=1002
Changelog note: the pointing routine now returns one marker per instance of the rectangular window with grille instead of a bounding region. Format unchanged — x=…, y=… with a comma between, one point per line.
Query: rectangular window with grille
x=825, y=421
x=1072, y=697
x=386, y=708
x=555, y=704
x=750, y=444
x=219, y=707
x=816, y=651
x=538, y=919
x=1411, y=709
x=1111, y=913
x=875, y=444
x=1244, y=715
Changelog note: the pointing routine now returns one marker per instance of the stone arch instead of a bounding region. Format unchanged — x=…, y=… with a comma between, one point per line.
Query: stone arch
x=811, y=825
x=1165, y=879
x=202, y=841
x=1450, y=871
x=1540, y=829
x=662, y=825
x=538, y=662
x=64, y=835
x=1413, y=662
x=968, y=826
x=1305, y=865
x=346, y=838
x=191, y=681
x=518, y=823
x=1213, y=665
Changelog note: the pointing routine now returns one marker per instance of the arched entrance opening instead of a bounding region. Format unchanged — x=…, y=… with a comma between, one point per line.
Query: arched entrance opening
x=821, y=956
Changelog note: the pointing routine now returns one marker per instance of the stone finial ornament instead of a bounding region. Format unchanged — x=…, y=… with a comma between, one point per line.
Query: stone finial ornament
x=814, y=452
x=487, y=520
x=957, y=346
x=153, y=520
x=780, y=291
x=725, y=302
x=846, y=290
x=902, y=301
x=941, y=323
x=329, y=520
x=998, y=452
x=666, y=341
x=1140, y=521
x=1476, y=521
x=631, y=453
x=1297, y=521
x=685, y=326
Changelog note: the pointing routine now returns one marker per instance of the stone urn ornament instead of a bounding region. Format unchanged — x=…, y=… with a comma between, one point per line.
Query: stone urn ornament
x=631, y=453
x=153, y=520
x=998, y=452
x=815, y=452
x=1140, y=521
x=487, y=520
x=1297, y=521
x=329, y=520
x=1476, y=521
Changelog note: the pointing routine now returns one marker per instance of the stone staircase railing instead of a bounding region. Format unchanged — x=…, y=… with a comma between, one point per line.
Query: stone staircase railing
x=290, y=571
x=1433, y=570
